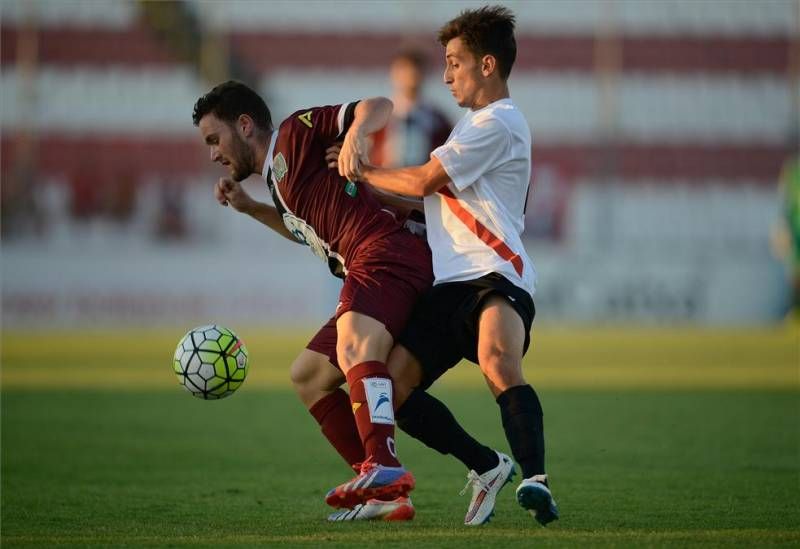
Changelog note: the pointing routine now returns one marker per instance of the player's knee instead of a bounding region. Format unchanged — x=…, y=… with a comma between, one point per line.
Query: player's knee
x=501, y=365
x=313, y=376
x=397, y=366
x=495, y=354
x=361, y=338
x=348, y=353
x=406, y=373
x=302, y=371
x=351, y=351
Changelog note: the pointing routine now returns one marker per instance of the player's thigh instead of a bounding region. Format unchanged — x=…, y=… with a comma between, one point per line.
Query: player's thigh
x=380, y=290
x=314, y=377
x=406, y=372
x=361, y=338
x=435, y=334
x=501, y=341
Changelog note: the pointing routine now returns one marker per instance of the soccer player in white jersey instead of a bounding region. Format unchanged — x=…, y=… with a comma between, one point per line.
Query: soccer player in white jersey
x=481, y=305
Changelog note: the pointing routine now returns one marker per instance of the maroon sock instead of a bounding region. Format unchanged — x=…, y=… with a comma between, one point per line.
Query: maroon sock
x=371, y=396
x=335, y=417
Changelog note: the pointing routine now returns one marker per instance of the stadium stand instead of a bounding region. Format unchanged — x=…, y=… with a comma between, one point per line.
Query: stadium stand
x=641, y=109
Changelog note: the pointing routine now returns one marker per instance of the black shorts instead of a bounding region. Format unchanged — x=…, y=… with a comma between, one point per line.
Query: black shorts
x=443, y=327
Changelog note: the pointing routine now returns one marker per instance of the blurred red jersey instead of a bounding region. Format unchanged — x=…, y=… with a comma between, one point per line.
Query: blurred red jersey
x=324, y=211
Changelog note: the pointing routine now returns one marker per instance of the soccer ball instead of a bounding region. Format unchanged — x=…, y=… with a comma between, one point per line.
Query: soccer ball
x=210, y=362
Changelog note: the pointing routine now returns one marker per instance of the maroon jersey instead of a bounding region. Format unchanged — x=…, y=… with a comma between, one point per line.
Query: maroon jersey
x=334, y=217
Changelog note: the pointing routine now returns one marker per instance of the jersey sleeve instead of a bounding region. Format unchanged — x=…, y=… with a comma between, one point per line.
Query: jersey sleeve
x=474, y=151
x=328, y=123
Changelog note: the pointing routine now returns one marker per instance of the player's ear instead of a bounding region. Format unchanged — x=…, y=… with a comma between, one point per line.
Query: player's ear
x=245, y=124
x=488, y=65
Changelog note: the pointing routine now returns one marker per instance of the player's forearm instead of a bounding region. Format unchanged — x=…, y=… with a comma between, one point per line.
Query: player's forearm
x=405, y=181
x=402, y=203
x=269, y=216
x=371, y=115
x=414, y=181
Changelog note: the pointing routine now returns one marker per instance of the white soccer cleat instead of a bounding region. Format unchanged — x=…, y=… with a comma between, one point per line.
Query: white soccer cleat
x=534, y=495
x=485, y=488
x=375, y=509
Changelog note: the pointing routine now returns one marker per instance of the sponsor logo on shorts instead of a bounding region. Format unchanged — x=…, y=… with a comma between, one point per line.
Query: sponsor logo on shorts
x=379, y=399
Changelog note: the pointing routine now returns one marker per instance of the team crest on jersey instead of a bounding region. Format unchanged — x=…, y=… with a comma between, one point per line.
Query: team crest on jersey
x=279, y=167
x=305, y=118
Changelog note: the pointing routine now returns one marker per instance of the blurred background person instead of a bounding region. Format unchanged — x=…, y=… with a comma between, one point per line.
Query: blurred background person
x=417, y=127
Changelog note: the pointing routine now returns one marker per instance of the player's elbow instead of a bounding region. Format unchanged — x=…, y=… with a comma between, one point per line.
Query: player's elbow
x=431, y=181
x=428, y=188
x=384, y=104
x=378, y=106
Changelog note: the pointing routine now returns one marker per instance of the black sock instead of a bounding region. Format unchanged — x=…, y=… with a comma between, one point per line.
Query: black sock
x=428, y=420
x=522, y=420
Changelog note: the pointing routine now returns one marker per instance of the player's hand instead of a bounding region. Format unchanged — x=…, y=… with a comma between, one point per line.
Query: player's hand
x=229, y=192
x=354, y=152
x=332, y=155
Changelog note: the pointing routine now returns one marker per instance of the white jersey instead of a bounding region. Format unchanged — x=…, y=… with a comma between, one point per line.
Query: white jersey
x=475, y=223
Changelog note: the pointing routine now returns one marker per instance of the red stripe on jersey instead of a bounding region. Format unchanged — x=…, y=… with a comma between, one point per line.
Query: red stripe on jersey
x=479, y=229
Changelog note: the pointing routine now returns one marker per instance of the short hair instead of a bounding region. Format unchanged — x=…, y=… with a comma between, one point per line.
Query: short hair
x=485, y=31
x=231, y=99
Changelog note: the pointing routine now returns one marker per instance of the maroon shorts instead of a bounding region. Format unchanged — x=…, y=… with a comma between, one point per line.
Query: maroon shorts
x=383, y=282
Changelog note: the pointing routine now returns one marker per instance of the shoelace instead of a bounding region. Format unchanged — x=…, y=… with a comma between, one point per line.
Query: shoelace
x=473, y=479
x=363, y=466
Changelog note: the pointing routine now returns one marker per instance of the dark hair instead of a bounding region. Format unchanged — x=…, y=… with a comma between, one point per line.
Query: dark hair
x=414, y=56
x=231, y=99
x=485, y=31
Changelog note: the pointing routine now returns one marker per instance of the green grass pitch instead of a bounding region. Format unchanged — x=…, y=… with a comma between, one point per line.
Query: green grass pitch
x=655, y=438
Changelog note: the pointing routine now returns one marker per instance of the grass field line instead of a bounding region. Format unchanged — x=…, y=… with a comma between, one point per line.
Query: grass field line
x=337, y=533
x=603, y=358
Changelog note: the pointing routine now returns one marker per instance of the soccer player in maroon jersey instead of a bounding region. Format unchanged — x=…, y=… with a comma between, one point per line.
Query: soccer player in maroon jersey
x=384, y=266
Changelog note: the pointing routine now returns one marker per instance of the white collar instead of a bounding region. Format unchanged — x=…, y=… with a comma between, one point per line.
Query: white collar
x=504, y=101
x=268, y=160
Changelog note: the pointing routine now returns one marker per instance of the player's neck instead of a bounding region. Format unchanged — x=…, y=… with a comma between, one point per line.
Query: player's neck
x=260, y=152
x=490, y=93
